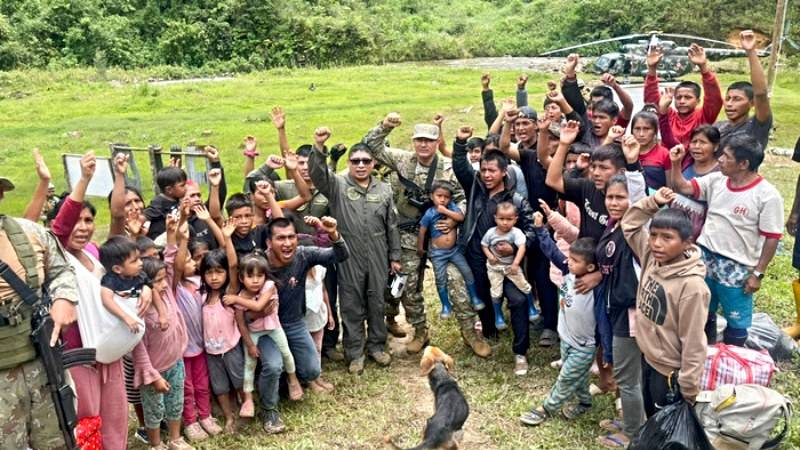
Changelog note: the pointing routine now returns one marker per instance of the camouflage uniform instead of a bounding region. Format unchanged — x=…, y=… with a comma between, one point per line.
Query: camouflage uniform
x=27, y=415
x=406, y=163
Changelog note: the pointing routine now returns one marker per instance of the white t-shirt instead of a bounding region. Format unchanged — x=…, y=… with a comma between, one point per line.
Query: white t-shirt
x=495, y=236
x=576, y=322
x=739, y=219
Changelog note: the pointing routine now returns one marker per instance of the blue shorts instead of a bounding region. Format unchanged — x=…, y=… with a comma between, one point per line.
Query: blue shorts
x=737, y=305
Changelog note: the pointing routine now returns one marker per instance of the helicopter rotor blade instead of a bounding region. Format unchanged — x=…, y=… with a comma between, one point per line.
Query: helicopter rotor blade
x=699, y=38
x=601, y=41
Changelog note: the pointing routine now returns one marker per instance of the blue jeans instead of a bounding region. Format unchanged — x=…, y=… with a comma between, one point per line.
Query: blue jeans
x=440, y=257
x=306, y=362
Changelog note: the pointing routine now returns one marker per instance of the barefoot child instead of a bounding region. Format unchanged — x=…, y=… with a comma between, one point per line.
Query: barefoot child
x=576, y=328
x=256, y=293
x=443, y=248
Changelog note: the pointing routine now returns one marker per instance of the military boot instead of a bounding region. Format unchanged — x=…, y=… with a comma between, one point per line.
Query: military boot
x=394, y=328
x=477, y=343
x=421, y=339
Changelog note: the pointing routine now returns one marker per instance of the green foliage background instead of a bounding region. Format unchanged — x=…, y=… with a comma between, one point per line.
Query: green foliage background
x=244, y=35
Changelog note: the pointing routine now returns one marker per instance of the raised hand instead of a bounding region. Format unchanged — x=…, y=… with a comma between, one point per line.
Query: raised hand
x=278, y=118
x=337, y=151
x=183, y=231
x=615, y=133
x=202, y=213
x=747, y=40
x=250, y=146
x=552, y=85
x=665, y=100
x=88, y=165
x=507, y=104
x=328, y=225
x=313, y=222
x=212, y=153
x=41, y=167
x=571, y=66
x=569, y=132
x=522, y=81
x=215, y=177
x=290, y=161
x=485, y=80
x=511, y=115
x=228, y=228
x=438, y=119
x=121, y=164
x=172, y=223
x=321, y=135
x=697, y=55
x=175, y=161
x=664, y=196
x=556, y=96
x=609, y=80
x=584, y=159
x=654, y=55
x=392, y=120
x=274, y=162
x=464, y=133
x=631, y=148
x=134, y=222
x=538, y=219
x=265, y=189
x=542, y=123
x=545, y=207
x=677, y=153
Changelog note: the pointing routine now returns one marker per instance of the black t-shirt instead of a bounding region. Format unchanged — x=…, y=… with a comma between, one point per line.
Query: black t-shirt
x=257, y=238
x=592, y=204
x=535, y=175
x=615, y=260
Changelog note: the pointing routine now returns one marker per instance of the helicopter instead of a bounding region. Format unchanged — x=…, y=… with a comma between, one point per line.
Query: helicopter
x=631, y=59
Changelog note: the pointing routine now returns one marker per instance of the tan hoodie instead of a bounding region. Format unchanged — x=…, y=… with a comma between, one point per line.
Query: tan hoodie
x=671, y=304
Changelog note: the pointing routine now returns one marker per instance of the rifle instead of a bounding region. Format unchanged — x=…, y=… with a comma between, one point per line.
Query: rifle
x=423, y=263
x=54, y=359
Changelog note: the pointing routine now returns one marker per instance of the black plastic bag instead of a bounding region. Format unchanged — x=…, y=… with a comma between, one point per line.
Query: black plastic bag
x=675, y=427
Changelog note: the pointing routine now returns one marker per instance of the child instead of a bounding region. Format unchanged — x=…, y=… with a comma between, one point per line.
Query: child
x=197, y=421
x=221, y=334
x=172, y=184
x=257, y=292
x=318, y=315
x=123, y=281
x=501, y=267
x=158, y=362
x=672, y=300
x=246, y=237
x=576, y=328
x=443, y=248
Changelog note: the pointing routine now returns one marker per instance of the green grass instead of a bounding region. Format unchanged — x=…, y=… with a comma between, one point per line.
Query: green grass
x=39, y=109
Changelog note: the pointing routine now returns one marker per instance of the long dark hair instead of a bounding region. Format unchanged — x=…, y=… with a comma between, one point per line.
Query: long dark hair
x=214, y=259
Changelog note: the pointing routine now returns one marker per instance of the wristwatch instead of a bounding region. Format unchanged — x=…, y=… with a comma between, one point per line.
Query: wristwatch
x=759, y=275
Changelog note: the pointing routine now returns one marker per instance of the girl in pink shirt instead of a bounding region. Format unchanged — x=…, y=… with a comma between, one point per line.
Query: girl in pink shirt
x=256, y=293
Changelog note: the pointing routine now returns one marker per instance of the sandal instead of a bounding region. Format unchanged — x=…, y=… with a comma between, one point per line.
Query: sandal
x=572, y=412
x=611, y=425
x=616, y=440
x=535, y=416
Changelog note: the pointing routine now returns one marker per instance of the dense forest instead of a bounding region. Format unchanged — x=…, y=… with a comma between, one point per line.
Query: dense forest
x=241, y=35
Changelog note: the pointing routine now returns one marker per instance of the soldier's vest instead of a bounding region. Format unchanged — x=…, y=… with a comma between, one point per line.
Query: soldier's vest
x=316, y=207
x=15, y=315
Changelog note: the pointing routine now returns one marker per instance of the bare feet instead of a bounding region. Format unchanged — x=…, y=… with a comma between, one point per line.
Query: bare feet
x=295, y=390
x=230, y=425
x=320, y=386
x=248, y=409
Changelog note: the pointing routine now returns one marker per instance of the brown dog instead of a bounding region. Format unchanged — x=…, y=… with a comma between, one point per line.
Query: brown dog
x=451, y=408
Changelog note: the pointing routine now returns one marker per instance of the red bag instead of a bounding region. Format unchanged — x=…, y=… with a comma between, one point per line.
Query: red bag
x=729, y=364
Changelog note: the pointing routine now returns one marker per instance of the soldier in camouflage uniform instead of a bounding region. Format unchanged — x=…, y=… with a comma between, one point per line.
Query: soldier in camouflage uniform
x=367, y=219
x=415, y=166
x=27, y=414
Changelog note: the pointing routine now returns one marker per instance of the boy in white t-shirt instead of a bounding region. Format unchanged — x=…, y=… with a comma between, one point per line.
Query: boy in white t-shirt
x=743, y=225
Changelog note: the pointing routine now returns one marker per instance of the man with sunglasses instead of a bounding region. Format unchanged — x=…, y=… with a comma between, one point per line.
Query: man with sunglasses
x=364, y=209
x=412, y=175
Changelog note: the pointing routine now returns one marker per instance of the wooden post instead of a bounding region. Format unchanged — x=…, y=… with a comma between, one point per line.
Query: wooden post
x=777, y=41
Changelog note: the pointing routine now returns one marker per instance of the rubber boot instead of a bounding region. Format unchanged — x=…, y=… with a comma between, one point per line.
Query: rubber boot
x=477, y=303
x=794, y=330
x=533, y=313
x=444, y=297
x=499, y=321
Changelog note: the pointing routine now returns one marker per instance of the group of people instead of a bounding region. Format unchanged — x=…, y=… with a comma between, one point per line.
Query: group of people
x=618, y=247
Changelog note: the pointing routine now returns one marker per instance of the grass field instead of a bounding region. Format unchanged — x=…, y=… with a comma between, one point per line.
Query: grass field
x=41, y=109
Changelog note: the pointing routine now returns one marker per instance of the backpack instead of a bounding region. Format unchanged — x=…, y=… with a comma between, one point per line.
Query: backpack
x=742, y=417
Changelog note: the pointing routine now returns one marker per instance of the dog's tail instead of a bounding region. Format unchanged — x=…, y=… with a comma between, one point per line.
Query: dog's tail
x=389, y=445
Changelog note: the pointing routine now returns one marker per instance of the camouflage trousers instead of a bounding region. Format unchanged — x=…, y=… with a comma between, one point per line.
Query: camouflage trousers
x=27, y=415
x=414, y=303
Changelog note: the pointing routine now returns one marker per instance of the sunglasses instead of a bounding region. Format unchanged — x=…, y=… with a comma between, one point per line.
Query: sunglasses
x=361, y=161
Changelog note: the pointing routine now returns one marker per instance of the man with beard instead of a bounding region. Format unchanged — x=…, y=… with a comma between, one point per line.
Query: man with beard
x=364, y=208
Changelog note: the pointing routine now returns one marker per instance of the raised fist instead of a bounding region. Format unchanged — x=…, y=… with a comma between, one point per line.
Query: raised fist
x=392, y=120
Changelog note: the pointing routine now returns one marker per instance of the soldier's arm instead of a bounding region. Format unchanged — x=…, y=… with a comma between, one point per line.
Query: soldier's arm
x=322, y=176
x=375, y=139
x=59, y=276
x=463, y=170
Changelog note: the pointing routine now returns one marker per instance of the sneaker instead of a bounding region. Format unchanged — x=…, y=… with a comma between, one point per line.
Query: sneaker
x=556, y=364
x=333, y=354
x=572, y=412
x=548, y=338
x=211, y=426
x=195, y=432
x=520, y=365
x=535, y=416
x=141, y=434
x=356, y=366
x=161, y=446
x=179, y=444
x=273, y=423
x=382, y=358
